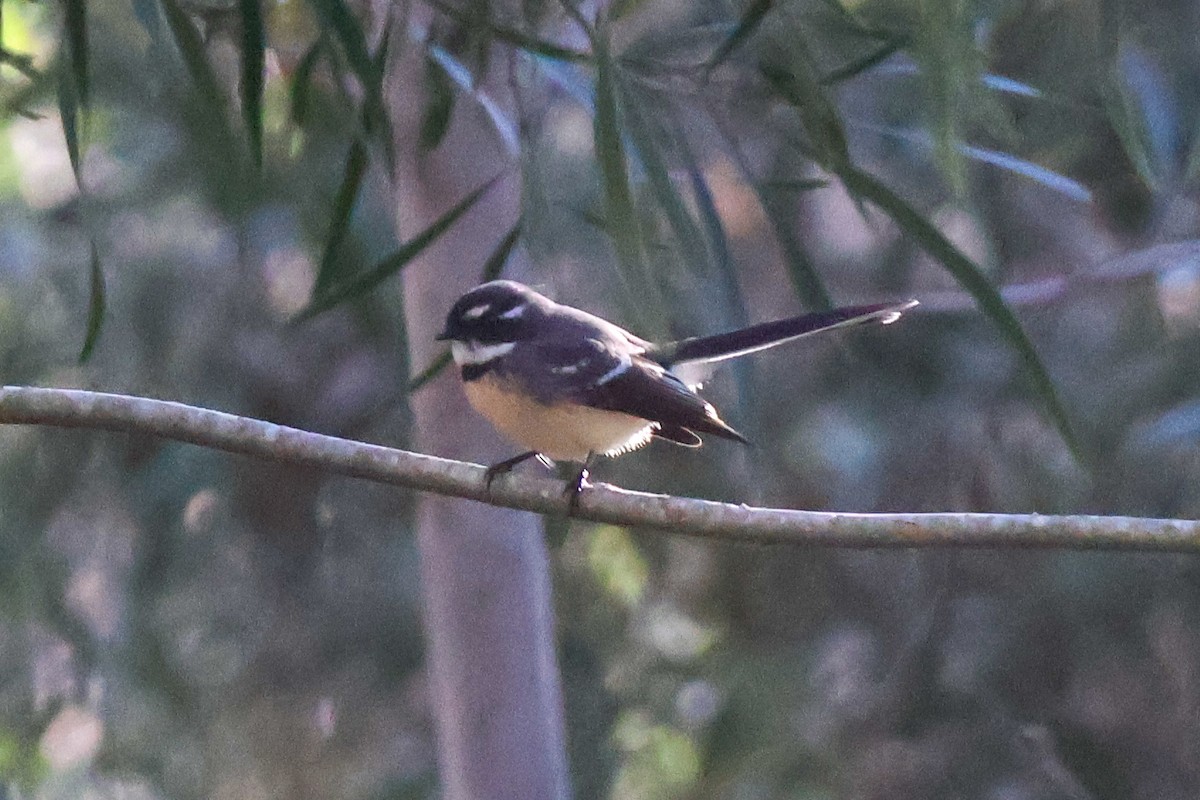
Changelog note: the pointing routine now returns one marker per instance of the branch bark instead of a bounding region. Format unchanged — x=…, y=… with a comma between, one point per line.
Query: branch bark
x=70, y=408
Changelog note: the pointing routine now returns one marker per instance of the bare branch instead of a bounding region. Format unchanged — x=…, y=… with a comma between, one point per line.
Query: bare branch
x=602, y=503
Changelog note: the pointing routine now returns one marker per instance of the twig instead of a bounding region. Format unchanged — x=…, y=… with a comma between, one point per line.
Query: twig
x=601, y=503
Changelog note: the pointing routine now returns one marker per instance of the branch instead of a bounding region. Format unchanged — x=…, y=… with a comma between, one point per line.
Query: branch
x=602, y=503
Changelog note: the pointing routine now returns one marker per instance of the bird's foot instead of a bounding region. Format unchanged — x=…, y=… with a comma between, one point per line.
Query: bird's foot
x=575, y=487
x=506, y=466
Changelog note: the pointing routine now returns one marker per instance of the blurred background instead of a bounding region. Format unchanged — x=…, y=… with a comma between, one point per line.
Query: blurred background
x=180, y=623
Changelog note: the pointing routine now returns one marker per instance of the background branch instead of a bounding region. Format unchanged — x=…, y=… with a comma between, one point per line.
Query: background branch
x=603, y=503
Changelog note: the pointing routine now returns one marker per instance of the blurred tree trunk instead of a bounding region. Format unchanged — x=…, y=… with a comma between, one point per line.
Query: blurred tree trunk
x=494, y=681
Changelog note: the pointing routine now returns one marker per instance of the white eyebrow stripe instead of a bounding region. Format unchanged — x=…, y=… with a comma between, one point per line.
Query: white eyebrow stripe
x=475, y=312
x=476, y=353
x=515, y=312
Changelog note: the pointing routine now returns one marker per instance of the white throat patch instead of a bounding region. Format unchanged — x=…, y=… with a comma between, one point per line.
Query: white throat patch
x=472, y=353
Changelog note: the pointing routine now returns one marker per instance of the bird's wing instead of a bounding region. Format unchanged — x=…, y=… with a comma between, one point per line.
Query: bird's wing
x=644, y=389
x=605, y=373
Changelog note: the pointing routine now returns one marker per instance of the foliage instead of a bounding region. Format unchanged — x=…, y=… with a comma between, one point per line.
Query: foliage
x=181, y=196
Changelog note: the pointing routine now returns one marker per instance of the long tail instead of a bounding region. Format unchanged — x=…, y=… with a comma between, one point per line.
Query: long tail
x=769, y=334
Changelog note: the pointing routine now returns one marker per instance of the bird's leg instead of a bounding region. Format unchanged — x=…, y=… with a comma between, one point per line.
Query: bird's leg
x=506, y=466
x=575, y=487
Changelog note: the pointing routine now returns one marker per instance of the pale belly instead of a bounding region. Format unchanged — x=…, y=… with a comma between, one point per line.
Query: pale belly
x=563, y=433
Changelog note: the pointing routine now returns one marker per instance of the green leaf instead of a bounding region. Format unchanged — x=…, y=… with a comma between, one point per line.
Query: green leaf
x=77, y=46
x=96, y=307
x=1129, y=123
x=499, y=257
x=341, y=22
x=776, y=204
x=951, y=73
x=443, y=360
x=368, y=280
x=20, y=62
x=491, y=270
x=253, y=63
x=995, y=158
x=796, y=184
x=751, y=18
x=806, y=281
x=718, y=242
x=865, y=62
x=343, y=209
x=646, y=137
x=621, y=222
x=619, y=9
x=458, y=74
x=617, y=564
x=800, y=87
x=191, y=49
x=20, y=101
x=853, y=23
x=522, y=41
x=973, y=280
x=68, y=112
x=1192, y=169
x=375, y=117
x=302, y=84
x=439, y=104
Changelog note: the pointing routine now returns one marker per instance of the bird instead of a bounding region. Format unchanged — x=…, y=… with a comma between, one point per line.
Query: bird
x=567, y=385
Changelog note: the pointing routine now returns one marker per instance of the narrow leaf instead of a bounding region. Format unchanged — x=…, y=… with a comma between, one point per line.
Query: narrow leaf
x=505, y=126
x=800, y=88
x=646, y=139
x=253, y=63
x=341, y=22
x=439, y=104
x=191, y=49
x=796, y=184
x=19, y=102
x=68, y=112
x=718, y=242
x=96, y=307
x=522, y=41
x=77, y=46
x=997, y=83
x=499, y=257
x=1192, y=168
x=302, y=84
x=1129, y=123
x=860, y=65
x=806, y=281
x=146, y=14
x=852, y=21
x=973, y=280
x=443, y=360
x=368, y=280
x=20, y=62
x=620, y=217
x=375, y=116
x=491, y=270
x=1019, y=166
x=343, y=209
x=776, y=204
x=1006, y=161
x=751, y=18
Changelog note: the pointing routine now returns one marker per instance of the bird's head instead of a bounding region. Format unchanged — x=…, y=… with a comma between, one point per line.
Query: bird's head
x=491, y=318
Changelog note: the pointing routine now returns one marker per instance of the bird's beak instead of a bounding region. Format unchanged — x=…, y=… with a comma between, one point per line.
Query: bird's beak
x=444, y=336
